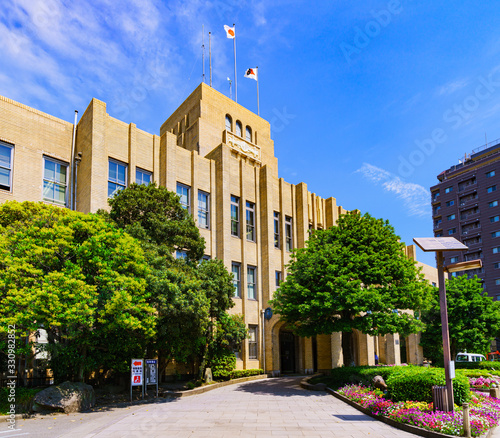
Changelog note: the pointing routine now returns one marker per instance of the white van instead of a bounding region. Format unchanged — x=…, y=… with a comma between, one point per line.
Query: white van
x=469, y=357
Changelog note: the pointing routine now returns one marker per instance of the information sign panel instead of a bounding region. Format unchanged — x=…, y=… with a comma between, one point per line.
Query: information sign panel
x=151, y=371
x=137, y=372
x=439, y=244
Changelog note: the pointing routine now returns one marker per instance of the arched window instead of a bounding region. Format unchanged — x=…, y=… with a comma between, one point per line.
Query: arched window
x=239, y=128
x=229, y=123
x=248, y=134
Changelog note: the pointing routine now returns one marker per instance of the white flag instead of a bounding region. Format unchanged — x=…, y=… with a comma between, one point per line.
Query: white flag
x=252, y=73
x=229, y=31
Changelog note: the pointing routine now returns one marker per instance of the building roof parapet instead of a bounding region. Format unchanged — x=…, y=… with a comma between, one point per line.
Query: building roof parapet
x=477, y=155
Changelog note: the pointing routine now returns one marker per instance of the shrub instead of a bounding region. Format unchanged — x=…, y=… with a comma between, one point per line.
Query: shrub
x=415, y=384
x=24, y=399
x=236, y=374
x=358, y=375
x=223, y=364
x=485, y=365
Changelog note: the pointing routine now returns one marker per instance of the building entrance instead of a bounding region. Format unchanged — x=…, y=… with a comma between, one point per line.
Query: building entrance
x=287, y=352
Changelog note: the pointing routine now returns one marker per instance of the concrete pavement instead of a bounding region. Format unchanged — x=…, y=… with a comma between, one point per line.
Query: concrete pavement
x=265, y=408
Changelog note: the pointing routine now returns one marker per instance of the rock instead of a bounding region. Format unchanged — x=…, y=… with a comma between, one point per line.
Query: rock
x=379, y=383
x=208, y=375
x=67, y=397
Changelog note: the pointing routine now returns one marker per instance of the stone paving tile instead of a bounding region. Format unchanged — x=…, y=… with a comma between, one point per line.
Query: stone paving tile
x=261, y=409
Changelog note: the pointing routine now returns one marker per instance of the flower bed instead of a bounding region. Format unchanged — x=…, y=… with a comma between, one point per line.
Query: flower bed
x=484, y=411
x=482, y=382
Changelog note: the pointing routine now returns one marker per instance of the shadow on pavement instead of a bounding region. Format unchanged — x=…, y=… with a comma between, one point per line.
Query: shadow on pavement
x=278, y=386
x=354, y=418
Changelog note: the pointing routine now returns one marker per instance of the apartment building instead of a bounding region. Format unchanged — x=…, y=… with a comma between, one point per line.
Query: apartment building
x=219, y=158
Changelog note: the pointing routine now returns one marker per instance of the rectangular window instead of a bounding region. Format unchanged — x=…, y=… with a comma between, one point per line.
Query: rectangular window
x=450, y=217
x=117, y=178
x=497, y=282
x=235, y=216
x=496, y=265
x=183, y=194
x=142, y=176
x=252, y=342
x=452, y=231
x=435, y=195
x=439, y=235
x=5, y=166
x=251, y=282
x=498, y=297
x=493, y=204
x=496, y=249
x=450, y=203
x=288, y=233
x=495, y=234
x=250, y=213
x=203, y=209
x=448, y=189
x=491, y=189
x=277, y=240
x=278, y=278
x=54, y=181
x=490, y=174
x=454, y=260
x=235, y=269
x=494, y=219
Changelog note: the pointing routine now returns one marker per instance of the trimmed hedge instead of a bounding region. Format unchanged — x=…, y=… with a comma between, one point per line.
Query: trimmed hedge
x=415, y=384
x=485, y=365
x=359, y=375
x=223, y=365
x=236, y=374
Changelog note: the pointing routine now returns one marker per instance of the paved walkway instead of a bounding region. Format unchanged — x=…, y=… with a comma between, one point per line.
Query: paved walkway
x=263, y=408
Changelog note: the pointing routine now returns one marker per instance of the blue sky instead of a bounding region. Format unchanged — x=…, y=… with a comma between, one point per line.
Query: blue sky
x=368, y=101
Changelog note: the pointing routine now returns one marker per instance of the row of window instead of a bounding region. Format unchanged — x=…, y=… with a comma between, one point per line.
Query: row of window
x=117, y=176
x=55, y=184
x=251, y=280
x=465, y=184
x=239, y=129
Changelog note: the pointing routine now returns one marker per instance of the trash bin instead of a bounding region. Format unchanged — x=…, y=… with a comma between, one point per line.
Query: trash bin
x=440, y=398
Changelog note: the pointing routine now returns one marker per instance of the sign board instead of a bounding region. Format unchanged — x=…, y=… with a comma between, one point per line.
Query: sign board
x=268, y=313
x=439, y=244
x=151, y=371
x=137, y=372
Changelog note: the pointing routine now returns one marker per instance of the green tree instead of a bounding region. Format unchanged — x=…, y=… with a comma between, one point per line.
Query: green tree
x=191, y=299
x=156, y=217
x=354, y=275
x=80, y=279
x=473, y=319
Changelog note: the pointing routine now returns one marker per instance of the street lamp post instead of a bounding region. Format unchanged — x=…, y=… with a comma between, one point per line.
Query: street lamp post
x=439, y=245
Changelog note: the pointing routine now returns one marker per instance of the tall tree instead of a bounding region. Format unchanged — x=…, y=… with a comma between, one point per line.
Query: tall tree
x=191, y=299
x=80, y=279
x=354, y=275
x=473, y=319
x=156, y=217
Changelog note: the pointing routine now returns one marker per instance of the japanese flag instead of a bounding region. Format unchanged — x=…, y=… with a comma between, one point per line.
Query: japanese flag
x=229, y=31
x=251, y=73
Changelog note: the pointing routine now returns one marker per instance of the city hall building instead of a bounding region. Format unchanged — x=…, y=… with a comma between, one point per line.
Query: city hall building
x=219, y=158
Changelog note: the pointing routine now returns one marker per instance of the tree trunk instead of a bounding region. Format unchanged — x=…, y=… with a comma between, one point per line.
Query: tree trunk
x=347, y=348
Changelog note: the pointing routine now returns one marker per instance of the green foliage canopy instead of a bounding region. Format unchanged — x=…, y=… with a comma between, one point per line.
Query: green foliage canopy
x=473, y=319
x=352, y=276
x=77, y=277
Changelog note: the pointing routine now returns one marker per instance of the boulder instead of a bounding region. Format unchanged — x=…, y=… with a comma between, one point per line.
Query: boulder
x=379, y=383
x=208, y=375
x=67, y=397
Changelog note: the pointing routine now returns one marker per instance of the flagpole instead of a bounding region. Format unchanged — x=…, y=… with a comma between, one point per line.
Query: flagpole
x=203, y=51
x=235, y=77
x=258, y=109
x=210, y=54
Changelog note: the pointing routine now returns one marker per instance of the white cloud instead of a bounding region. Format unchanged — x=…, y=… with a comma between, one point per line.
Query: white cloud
x=414, y=196
x=453, y=86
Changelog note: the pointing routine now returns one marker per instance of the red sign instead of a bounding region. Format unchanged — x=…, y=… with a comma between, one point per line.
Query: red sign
x=137, y=372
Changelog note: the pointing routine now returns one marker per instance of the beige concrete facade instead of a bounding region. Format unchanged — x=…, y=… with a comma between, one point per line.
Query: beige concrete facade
x=201, y=148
